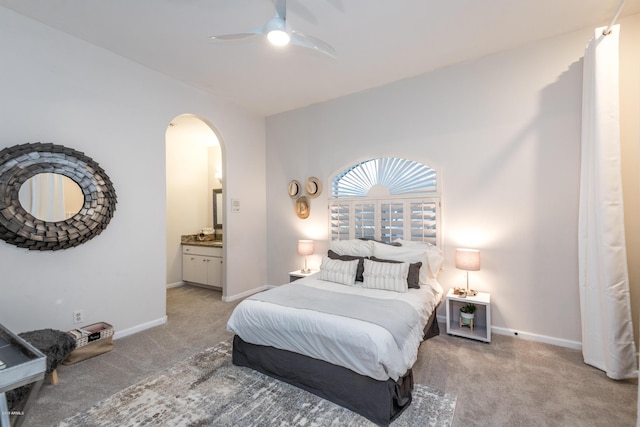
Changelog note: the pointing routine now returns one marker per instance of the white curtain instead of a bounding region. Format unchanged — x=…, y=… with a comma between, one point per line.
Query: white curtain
x=43, y=196
x=48, y=197
x=607, y=329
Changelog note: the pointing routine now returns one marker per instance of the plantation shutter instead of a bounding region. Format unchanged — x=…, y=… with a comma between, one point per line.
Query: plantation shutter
x=339, y=218
x=423, y=224
x=392, y=220
x=364, y=220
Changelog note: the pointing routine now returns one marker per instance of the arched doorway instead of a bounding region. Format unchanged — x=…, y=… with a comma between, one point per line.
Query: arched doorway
x=194, y=169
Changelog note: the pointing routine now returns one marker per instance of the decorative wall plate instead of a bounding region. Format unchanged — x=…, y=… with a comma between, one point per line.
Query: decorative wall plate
x=313, y=187
x=294, y=189
x=302, y=207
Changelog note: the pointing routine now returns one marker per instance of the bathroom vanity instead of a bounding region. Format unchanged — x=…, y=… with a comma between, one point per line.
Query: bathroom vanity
x=202, y=262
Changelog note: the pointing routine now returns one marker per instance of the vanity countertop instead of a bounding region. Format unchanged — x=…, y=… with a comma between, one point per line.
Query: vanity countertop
x=192, y=240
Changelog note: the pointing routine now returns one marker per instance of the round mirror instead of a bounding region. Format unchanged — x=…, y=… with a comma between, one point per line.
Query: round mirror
x=51, y=197
x=21, y=228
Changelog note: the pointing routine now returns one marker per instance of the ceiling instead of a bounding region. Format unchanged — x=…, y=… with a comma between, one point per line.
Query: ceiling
x=377, y=41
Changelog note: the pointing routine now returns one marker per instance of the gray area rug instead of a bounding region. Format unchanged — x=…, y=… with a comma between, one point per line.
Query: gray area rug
x=208, y=390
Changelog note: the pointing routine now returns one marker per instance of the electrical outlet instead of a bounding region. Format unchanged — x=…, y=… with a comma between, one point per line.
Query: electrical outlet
x=78, y=316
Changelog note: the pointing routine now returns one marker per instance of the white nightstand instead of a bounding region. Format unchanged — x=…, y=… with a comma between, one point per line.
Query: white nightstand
x=482, y=322
x=298, y=274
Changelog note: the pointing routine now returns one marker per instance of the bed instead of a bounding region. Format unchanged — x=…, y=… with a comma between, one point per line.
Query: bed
x=351, y=332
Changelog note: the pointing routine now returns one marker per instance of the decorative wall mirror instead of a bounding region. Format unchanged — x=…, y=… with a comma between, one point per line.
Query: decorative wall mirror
x=217, y=209
x=20, y=163
x=51, y=197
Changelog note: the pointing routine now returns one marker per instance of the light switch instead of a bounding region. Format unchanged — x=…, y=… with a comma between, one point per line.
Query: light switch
x=235, y=205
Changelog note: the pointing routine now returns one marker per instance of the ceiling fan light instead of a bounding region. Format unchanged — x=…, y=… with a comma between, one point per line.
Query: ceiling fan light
x=278, y=37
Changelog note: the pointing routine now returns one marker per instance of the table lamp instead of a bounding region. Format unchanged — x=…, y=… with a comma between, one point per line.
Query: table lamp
x=305, y=247
x=468, y=260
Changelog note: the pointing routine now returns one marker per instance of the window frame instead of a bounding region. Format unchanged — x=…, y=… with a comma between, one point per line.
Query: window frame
x=347, y=219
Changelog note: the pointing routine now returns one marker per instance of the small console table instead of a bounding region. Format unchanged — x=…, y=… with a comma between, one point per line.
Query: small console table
x=480, y=328
x=21, y=364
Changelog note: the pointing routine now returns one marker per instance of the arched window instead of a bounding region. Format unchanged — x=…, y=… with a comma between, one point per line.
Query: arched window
x=385, y=199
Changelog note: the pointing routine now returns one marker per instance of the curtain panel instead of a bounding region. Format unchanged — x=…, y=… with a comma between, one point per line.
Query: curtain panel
x=607, y=329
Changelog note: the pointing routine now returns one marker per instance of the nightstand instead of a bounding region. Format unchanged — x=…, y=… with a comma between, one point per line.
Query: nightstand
x=298, y=274
x=482, y=323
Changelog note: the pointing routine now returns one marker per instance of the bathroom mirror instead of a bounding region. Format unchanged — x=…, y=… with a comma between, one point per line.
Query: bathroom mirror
x=21, y=228
x=217, y=209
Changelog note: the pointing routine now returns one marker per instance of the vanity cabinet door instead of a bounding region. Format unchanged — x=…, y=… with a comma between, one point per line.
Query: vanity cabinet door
x=195, y=268
x=214, y=272
x=202, y=265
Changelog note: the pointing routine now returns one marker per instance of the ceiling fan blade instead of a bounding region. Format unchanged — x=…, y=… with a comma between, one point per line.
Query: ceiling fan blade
x=245, y=34
x=281, y=8
x=314, y=43
x=233, y=36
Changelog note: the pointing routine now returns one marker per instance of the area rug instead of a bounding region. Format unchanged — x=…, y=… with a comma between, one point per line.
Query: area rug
x=208, y=390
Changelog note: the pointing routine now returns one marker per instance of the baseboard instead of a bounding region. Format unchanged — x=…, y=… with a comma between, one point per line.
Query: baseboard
x=528, y=336
x=246, y=293
x=140, y=328
x=539, y=338
x=175, y=284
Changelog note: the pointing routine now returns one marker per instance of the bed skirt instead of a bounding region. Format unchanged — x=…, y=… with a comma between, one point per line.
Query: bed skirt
x=379, y=401
x=432, y=329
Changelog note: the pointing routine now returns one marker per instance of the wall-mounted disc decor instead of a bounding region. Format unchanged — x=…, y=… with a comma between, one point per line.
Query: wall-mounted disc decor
x=302, y=207
x=20, y=228
x=294, y=189
x=313, y=187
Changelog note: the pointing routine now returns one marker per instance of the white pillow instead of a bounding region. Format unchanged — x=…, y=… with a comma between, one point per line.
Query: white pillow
x=434, y=255
x=334, y=270
x=385, y=275
x=355, y=247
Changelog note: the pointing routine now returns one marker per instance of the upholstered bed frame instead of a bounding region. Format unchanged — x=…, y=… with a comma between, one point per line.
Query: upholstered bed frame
x=379, y=401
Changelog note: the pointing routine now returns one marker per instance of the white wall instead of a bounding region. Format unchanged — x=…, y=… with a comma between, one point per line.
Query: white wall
x=504, y=131
x=630, y=152
x=59, y=89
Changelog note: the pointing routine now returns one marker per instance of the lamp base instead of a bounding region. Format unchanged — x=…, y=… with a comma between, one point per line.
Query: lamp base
x=305, y=270
x=472, y=292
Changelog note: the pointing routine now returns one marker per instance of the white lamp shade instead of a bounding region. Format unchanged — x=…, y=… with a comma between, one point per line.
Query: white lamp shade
x=468, y=259
x=305, y=247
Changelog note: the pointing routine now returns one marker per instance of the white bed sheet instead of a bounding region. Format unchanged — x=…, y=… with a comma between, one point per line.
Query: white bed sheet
x=363, y=347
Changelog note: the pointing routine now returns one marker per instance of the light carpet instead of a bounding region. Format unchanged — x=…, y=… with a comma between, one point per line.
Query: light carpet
x=208, y=390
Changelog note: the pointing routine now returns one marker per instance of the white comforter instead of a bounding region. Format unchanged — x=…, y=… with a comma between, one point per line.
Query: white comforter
x=363, y=347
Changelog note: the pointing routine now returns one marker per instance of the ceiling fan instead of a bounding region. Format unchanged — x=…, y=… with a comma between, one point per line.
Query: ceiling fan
x=279, y=33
